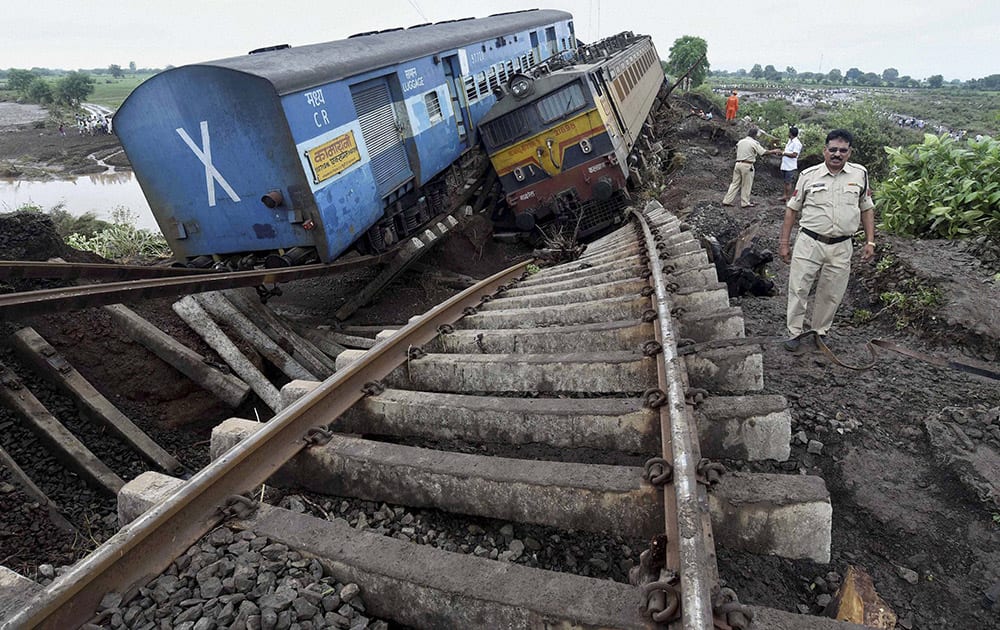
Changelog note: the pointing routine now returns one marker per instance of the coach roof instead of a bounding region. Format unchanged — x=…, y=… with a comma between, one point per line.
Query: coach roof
x=303, y=67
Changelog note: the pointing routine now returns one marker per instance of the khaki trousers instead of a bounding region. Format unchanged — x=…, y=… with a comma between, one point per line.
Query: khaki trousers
x=831, y=265
x=742, y=182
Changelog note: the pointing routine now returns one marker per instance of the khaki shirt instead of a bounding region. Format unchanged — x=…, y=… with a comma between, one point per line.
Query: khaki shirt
x=831, y=205
x=748, y=149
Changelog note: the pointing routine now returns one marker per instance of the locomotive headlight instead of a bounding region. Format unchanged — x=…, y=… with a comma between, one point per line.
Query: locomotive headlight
x=520, y=86
x=585, y=145
x=519, y=174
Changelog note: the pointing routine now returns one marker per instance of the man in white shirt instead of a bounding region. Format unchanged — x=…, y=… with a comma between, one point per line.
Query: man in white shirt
x=790, y=161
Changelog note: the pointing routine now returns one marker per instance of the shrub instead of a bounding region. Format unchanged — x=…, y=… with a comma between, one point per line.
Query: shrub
x=813, y=137
x=942, y=188
x=705, y=92
x=872, y=133
x=122, y=240
x=912, y=302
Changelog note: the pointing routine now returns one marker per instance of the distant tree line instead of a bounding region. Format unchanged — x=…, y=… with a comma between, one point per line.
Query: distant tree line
x=889, y=77
x=115, y=70
x=48, y=86
x=69, y=90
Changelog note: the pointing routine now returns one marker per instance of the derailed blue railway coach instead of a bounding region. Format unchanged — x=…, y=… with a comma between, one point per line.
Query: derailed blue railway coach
x=295, y=153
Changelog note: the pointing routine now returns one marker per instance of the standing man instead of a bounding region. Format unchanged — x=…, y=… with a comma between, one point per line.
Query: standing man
x=830, y=199
x=790, y=161
x=747, y=151
x=732, y=104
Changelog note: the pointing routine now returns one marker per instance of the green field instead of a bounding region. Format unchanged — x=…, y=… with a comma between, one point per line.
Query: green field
x=110, y=92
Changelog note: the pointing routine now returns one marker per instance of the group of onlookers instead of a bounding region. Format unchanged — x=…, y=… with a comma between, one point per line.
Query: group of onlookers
x=93, y=125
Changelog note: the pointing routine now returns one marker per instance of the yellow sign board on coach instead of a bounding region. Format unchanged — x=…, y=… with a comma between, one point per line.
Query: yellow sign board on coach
x=332, y=157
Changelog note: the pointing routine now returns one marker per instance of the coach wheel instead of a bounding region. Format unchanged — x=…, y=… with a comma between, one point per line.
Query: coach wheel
x=525, y=221
x=603, y=189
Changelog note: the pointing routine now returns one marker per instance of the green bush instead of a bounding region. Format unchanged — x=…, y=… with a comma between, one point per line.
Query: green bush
x=813, y=138
x=122, y=240
x=705, y=92
x=872, y=133
x=942, y=188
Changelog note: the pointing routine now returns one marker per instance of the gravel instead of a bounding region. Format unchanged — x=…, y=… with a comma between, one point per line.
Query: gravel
x=589, y=554
x=238, y=580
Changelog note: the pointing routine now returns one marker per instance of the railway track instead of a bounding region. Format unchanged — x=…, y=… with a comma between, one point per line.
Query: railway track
x=554, y=399
x=144, y=283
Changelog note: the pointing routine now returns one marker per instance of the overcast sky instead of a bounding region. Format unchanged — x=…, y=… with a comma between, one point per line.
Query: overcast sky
x=955, y=38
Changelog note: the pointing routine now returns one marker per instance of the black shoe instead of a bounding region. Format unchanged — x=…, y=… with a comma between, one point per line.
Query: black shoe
x=792, y=344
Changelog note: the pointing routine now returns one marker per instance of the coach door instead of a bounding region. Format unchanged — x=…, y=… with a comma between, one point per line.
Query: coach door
x=451, y=70
x=382, y=134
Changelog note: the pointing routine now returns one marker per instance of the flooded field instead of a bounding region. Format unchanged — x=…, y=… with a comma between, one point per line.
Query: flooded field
x=99, y=193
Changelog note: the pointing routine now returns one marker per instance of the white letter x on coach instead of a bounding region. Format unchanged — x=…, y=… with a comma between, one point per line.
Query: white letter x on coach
x=206, y=158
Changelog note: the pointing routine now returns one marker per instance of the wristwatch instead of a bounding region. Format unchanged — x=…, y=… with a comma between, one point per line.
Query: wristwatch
x=872, y=243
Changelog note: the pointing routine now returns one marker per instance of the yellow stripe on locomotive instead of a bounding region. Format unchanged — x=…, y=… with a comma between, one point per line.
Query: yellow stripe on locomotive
x=547, y=150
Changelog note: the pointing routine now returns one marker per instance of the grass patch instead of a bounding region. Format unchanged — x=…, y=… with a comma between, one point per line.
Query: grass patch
x=911, y=302
x=111, y=92
x=884, y=263
x=122, y=241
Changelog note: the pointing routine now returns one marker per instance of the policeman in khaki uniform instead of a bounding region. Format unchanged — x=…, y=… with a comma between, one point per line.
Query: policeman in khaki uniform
x=747, y=151
x=830, y=200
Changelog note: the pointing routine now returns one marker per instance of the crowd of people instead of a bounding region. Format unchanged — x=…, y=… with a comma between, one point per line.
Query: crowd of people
x=912, y=122
x=93, y=125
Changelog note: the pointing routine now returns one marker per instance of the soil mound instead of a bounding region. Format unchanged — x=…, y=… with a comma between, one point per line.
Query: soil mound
x=29, y=236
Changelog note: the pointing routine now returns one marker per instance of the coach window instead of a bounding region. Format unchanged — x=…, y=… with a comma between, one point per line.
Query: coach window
x=555, y=106
x=433, y=106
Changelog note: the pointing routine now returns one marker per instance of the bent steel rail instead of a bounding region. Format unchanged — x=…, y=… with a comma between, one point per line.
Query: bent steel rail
x=80, y=297
x=690, y=545
x=147, y=546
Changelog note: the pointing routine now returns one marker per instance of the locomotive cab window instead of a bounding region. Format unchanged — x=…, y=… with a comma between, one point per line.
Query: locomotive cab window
x=565, y=101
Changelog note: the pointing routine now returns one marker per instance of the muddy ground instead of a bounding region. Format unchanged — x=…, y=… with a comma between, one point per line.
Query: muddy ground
x=31, y=146
x=908, y=448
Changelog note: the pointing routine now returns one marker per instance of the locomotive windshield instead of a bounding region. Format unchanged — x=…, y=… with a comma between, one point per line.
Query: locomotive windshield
x=508, y=127
x=556, y=105
x=533, y=115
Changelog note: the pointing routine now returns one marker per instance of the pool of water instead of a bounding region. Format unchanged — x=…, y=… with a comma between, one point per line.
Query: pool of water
x=100, y=193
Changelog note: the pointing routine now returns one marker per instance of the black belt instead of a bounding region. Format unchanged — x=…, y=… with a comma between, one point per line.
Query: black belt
x=829, y=240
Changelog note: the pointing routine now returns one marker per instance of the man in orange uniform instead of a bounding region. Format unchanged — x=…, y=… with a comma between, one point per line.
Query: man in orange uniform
x=732, y=104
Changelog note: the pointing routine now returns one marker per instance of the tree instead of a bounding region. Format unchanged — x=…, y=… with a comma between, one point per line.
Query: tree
x=116, y=71
x=756, y=72
x=935, y=80
x=890, y=74
x=852, y=75
x=790, y=72
x=834, y=76
x=771, y=73
x=685, y=53
x=74, y=87
x=19, y=80
x=870, y=78
x=40, y=91
x=131, y=67
x=742, y=72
